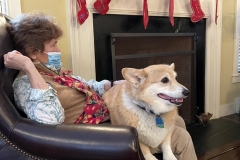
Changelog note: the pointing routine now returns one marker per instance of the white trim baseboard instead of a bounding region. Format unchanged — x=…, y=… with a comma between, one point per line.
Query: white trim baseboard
x=228, y=109
x=237, y=104
x=236, y=77
x=231, y=108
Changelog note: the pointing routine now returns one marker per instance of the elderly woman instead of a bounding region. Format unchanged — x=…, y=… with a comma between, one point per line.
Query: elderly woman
x=44, y=90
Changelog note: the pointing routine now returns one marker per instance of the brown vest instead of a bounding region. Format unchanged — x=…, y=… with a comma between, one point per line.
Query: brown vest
x=71, y=99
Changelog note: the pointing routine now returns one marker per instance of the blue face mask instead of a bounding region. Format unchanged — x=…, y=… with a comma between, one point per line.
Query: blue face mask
x=54, y=60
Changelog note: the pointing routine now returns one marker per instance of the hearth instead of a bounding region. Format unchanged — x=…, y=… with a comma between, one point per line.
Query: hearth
x=184, y=32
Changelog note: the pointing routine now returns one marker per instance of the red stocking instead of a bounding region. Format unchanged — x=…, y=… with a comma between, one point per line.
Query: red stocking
x=171, y=10
x=102, y=6
x=83, y=12
x=197, y=11
x=145, y=13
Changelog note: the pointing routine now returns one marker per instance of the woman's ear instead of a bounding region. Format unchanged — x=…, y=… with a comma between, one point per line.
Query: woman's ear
x=31, y=54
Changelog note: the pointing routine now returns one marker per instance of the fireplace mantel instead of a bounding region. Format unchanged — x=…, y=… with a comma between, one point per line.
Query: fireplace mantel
x=82, y=39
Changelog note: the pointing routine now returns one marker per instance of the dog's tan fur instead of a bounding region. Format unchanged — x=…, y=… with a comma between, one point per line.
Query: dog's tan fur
x=141, y=88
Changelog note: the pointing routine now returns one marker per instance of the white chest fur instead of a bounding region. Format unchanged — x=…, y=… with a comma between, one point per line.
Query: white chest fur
x=149, y=133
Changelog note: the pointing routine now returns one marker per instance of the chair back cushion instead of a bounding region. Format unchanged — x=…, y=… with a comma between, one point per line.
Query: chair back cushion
x=8, y=113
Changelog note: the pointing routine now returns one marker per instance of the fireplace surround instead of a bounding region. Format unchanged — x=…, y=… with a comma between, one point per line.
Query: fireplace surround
x=82, y=39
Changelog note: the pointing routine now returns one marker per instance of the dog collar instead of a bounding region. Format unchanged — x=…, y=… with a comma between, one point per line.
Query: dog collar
x=159, y=120
x=148, y=111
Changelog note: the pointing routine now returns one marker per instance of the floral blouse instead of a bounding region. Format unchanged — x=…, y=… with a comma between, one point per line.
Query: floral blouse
x=43, y=105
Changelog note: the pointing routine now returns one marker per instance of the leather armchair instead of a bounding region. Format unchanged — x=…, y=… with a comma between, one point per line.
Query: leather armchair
x=22, y=138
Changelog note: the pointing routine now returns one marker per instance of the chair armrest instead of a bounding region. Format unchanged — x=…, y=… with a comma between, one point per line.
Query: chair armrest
x=77, y=141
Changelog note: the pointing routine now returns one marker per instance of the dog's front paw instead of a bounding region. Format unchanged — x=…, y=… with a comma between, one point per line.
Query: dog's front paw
x=150, y=157
x=169, y=157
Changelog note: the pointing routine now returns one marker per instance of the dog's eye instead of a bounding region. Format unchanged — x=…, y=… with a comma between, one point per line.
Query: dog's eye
x=165, y=80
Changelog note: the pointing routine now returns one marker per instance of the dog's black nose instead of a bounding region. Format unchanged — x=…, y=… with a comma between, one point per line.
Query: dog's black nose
x=185, y=92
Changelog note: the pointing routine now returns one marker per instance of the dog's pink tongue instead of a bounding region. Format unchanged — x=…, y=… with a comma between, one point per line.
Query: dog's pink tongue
x=173, y=100
x=163, y=96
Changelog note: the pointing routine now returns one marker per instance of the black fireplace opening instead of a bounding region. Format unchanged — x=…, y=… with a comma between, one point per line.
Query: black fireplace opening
x=105, y=25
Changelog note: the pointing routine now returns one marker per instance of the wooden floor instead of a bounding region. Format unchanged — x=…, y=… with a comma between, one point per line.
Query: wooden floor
x=229, y=151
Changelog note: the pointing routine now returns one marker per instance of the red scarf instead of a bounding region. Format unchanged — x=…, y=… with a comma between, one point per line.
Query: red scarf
x=94, y=111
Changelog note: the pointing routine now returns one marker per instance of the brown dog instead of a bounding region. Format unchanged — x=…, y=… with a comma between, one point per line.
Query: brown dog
x=147, y=100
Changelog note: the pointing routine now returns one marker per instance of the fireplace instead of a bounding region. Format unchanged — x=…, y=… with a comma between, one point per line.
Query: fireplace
x=82, y=40
x=127, y=44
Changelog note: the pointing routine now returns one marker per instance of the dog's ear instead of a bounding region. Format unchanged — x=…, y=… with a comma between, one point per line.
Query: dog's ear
x=172, y=66
x=134, y=76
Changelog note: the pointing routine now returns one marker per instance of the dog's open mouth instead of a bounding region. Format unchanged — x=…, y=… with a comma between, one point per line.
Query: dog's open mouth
x=176, y=101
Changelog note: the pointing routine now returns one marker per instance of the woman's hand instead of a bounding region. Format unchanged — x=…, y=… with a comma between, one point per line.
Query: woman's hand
x=108, y=85
x=16, y=60
x=118, y=82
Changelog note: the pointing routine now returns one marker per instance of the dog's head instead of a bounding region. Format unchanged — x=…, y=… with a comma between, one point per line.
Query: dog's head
x=155, y=87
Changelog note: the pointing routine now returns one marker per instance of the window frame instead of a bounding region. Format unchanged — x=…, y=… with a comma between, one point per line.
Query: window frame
x=12, y=7
x=4, y=8
x=236, y=57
